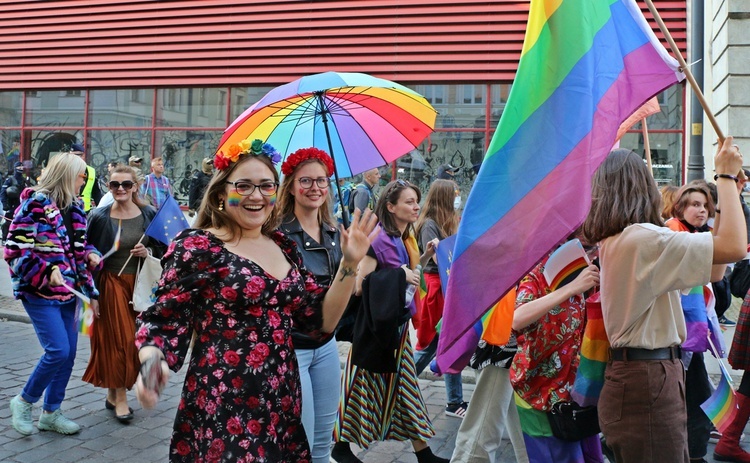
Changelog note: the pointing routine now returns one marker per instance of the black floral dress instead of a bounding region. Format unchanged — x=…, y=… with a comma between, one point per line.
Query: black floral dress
x=241, y=400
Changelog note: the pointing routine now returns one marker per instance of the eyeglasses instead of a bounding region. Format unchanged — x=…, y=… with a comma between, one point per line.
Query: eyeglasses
x=245, y=188
x=307, y=182
x=126, y=185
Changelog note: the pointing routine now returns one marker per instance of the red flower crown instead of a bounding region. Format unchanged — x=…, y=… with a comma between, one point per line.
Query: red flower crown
x=306, y=154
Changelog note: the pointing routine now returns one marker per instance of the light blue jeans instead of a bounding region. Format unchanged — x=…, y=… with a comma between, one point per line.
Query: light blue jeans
x=454, y=389
x=57, y=333
x=320, y=375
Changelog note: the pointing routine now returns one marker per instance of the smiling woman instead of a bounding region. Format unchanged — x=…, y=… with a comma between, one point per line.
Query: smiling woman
x=241, y=285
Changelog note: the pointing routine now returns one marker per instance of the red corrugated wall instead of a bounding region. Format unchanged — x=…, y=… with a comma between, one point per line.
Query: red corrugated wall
x=145, y=43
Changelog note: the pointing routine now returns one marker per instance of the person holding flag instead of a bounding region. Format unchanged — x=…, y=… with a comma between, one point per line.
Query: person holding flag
x=642, y=409
x=114, y=360
x=239, y=285
x=47, y=251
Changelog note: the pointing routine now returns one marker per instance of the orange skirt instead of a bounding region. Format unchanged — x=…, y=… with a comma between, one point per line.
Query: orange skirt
x=114, y=358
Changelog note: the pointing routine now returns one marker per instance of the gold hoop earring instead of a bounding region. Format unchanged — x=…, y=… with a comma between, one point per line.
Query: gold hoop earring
x=221, y=204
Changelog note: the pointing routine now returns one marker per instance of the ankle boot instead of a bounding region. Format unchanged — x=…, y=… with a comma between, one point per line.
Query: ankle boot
x=426, y=456
x=342, y=453
x=728, y=448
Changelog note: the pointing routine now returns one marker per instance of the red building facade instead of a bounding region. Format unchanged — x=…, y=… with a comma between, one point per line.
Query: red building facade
x=164, y=78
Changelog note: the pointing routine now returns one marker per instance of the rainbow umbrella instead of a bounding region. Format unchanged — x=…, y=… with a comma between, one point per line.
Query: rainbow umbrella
x=361, y=120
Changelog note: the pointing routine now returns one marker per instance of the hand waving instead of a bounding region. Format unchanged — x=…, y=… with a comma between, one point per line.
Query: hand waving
x=356, y=240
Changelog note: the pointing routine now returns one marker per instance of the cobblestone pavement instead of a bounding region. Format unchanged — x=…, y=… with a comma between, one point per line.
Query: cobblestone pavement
x=104, y=440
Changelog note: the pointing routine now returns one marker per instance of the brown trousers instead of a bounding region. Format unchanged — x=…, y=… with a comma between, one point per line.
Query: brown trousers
x=642, y=411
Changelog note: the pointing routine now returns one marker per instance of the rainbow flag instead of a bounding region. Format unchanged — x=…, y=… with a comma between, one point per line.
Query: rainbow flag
x=585, y=67
x=593, y=356
x=85, y=318
x=564, y=265
x=721, y=407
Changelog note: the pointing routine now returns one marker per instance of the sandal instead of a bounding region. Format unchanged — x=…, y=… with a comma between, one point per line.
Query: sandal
x=456, y=410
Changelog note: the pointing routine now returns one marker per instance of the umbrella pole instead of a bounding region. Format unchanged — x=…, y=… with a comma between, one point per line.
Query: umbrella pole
x=324, y=118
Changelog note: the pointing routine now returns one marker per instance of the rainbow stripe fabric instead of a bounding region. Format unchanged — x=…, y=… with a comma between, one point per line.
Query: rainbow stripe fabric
x=721, y=407
x=585, y=67
x=85, y=318
x=594, y=356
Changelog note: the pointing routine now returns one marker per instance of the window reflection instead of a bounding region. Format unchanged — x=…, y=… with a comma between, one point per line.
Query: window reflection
x=121, y=108
x=55, y=108
x=183, y=151
x=181, y=107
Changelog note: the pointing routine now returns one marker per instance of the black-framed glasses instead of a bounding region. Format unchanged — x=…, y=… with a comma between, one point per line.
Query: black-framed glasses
x=126, y=185
x=245, y=188
x=307, y=182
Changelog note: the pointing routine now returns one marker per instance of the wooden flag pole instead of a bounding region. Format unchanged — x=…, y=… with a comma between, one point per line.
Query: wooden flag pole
x=130, y=256
x=686, y=70
x=647, y=146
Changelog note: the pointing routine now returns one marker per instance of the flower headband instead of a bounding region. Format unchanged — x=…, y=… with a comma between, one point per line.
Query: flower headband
x=233, y=153
x=306, y=154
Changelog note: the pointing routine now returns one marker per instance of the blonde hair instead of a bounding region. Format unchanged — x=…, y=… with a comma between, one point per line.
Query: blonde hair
x=438, y=206
x=59, y=179
x=209, y=215
x=136, y=195
x=287, y=199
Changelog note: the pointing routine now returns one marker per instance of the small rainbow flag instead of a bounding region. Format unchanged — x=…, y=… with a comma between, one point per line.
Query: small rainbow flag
x=721, y=407
x=85, y=318
x=564, y=265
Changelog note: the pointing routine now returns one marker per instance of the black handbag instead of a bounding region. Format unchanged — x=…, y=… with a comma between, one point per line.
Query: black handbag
x=571, y=422
x=739, y=279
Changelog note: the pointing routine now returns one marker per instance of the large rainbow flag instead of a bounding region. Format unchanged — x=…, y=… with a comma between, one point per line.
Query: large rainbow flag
x=585, y=67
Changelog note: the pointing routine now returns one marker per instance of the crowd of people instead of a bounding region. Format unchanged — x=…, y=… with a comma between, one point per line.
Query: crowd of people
x=256, y=291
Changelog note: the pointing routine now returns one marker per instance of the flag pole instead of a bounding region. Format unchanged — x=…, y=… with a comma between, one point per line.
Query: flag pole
x=130, y=256
x=647, y=146
x=686, y=70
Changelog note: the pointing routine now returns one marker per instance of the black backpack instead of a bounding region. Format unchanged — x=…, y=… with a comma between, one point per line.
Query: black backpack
x=13, y=191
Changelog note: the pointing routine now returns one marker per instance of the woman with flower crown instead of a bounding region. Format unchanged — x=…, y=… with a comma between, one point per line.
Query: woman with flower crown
x=305, y=208
x=238, y=286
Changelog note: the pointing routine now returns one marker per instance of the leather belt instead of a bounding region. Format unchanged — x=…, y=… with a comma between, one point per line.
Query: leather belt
x=625, y=354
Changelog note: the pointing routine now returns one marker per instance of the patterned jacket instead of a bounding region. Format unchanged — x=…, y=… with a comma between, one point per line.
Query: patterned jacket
x=38, y=240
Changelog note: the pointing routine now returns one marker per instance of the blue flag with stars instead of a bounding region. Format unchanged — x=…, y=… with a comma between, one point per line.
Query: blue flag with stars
x=168, y=222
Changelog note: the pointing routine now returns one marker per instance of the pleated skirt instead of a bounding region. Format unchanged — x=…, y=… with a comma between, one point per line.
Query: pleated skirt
x=382, y=406
x=114, y=358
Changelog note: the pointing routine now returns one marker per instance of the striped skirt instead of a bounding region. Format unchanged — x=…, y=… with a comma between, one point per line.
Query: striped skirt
x=382, y=406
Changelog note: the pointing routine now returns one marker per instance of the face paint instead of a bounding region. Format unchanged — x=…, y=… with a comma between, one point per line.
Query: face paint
x=233, y=199
x=272, y=200
x=301, y=191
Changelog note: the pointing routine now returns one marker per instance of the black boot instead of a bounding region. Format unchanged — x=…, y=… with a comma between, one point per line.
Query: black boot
x=342, y=453
x=426, y=456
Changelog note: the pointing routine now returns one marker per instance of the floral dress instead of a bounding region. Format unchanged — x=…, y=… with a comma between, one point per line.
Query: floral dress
x=241, y=399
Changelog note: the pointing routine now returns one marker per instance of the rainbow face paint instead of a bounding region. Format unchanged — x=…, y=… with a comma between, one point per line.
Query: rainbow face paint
x=272, y=200
x=233, y=199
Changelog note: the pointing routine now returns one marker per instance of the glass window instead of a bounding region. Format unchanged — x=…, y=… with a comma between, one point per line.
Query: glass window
x=10, y=149
x=244, y=97
x=55, y=109
x=453, y=112
x=189, y=107
x=666, y=154
x=454, y=148
x=105, y=146
x=183, y=151
x=121, y=108
x=45, y=144
x=10, y=114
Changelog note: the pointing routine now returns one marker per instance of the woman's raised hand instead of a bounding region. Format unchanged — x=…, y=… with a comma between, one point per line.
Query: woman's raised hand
x=728, y=159
x=356, y=240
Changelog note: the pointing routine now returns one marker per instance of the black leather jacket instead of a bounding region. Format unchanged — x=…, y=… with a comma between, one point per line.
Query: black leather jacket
x=105, y=230
x=322, y=259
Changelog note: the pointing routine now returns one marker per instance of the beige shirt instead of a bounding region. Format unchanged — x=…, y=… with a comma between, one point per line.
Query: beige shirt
x=643, y=269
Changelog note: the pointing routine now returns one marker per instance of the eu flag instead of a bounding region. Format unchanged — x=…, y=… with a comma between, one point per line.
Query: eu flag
x=168, y=222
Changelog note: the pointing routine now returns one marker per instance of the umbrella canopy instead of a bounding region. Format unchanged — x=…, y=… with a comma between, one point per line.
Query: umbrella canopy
x=361, y=120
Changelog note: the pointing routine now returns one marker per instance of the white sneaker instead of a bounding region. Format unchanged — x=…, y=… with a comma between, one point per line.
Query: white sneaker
x=21, y=419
